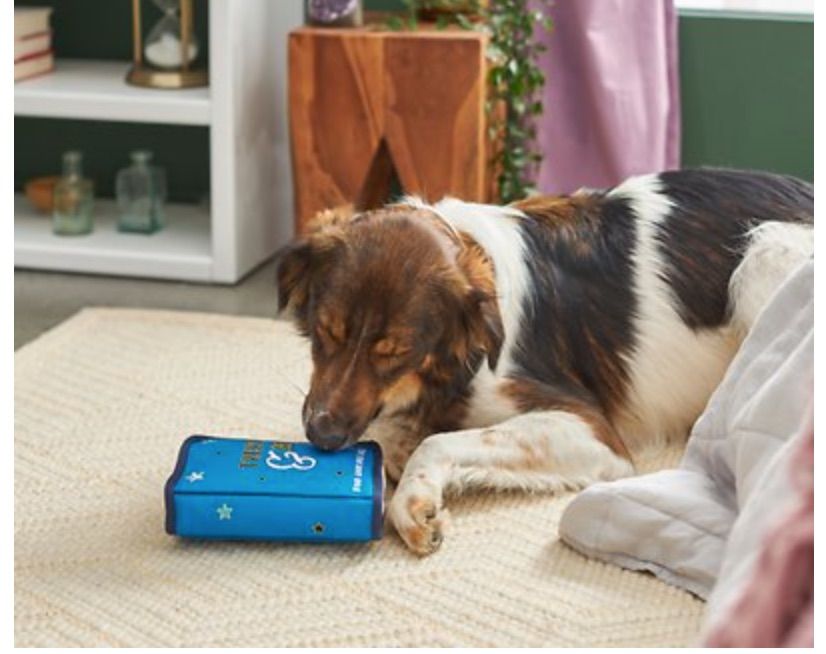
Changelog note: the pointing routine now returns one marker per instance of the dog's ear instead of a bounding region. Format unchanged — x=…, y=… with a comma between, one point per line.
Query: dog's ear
x=292, y=267
x=477, y=326
x=472, y=296
x=484, y=324
x=299, y=265
x=483, y=320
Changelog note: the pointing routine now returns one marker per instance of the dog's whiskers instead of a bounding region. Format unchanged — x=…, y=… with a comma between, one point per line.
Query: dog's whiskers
x=301, y=391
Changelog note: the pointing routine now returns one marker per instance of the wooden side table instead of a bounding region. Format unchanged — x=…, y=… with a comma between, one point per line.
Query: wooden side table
x=367, y=104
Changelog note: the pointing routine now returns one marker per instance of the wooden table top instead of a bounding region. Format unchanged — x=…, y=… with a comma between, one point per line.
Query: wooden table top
x=375, y=26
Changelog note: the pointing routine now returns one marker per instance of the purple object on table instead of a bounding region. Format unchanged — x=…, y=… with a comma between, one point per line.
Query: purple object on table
x=334, y=12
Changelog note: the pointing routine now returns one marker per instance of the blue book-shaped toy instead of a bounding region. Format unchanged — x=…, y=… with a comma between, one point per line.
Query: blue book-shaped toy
x=239, y=489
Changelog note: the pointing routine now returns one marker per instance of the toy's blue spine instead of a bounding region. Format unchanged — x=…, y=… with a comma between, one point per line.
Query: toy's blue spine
x=169, y=487
x=269, y=517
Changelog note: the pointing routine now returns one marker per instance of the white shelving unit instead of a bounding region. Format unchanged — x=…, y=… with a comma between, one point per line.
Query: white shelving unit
x=95, y=90
x=182, y=250
x=245, y=108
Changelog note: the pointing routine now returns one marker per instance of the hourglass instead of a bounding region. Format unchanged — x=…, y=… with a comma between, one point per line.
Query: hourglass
x=165, y=59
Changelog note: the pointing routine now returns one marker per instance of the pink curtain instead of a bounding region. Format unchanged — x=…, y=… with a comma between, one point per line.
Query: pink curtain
x=612, y=101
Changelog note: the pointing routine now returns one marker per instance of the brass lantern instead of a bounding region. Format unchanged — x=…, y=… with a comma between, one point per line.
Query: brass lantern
x=165, y=59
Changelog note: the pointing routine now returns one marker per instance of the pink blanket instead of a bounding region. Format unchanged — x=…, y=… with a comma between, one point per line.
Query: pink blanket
x=776, y=606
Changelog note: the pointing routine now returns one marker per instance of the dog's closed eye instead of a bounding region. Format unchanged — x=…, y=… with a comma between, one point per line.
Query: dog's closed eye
x=330, y=335
x=389, y=349
x=326, y=333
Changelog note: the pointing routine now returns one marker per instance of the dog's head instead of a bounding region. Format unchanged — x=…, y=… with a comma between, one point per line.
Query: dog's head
x=392, y=301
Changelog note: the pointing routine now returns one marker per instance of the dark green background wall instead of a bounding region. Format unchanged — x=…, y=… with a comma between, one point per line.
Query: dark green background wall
x=102, y=29
x=747, y=98
x=748, y=92
x=183, y=150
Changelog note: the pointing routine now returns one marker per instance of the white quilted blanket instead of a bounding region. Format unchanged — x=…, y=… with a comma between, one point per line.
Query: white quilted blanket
x=700, y=526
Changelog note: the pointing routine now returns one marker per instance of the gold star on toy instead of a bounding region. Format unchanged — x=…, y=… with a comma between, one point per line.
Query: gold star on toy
x=224, y=512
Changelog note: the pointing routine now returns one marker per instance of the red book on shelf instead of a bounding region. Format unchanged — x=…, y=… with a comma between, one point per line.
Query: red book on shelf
x=33, y=65
x=32, y=45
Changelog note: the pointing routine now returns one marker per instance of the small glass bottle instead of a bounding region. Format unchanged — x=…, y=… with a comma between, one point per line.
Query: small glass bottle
x=73, y=198
x=141, y=193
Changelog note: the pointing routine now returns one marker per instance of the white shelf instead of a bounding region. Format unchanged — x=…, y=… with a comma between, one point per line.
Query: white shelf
x=250, y=188
x=97, y=90
x=181, y=250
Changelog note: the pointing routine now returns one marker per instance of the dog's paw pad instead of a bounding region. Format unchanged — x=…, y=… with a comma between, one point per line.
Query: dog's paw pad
x=419, y=520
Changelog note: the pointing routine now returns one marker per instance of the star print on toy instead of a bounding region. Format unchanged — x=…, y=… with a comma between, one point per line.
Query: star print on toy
x=224, y=512
x=195, y=476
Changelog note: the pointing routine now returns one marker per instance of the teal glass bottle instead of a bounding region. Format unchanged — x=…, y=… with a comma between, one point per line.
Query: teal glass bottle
x=141, y=194
x=73, y=198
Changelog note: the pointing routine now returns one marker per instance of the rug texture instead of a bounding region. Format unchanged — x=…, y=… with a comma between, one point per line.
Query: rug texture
x=102, y=404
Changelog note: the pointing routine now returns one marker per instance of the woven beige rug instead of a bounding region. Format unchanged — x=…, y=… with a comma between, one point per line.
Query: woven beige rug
x=101, y=406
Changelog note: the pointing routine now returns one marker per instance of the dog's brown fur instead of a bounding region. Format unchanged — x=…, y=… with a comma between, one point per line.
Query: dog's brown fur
x=422, y=297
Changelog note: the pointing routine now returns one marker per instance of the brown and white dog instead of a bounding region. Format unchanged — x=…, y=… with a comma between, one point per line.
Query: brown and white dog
x=538, y=345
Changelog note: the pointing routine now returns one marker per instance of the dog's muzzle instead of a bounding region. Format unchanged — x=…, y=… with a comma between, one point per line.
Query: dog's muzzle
x=326, y=432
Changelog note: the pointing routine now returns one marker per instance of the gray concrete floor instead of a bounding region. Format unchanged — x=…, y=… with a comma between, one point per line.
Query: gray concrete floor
x=45, y=299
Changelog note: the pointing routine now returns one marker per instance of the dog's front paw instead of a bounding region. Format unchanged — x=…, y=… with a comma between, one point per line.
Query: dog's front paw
x=417, y=514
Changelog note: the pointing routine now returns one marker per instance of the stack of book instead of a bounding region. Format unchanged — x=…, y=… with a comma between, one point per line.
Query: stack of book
x=32, y=42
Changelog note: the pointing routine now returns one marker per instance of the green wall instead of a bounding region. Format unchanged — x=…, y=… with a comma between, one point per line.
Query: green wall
x=183, y=150
x=102, y=29
x=747, y=92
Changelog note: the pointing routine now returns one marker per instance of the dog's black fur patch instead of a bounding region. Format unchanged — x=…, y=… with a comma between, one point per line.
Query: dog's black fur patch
x=703, y=237
x=578, y=318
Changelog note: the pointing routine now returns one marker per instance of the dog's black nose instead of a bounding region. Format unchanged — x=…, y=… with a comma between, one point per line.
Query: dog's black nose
x=325, y=432
x=330, y=443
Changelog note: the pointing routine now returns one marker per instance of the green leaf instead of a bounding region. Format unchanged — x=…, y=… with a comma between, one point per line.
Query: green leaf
x=494, y=51
x=464, y=22
x=395, y=23
x=496, y=75
x=516, y=80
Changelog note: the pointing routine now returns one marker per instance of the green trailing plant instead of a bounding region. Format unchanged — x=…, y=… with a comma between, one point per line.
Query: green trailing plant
x=514, y=78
